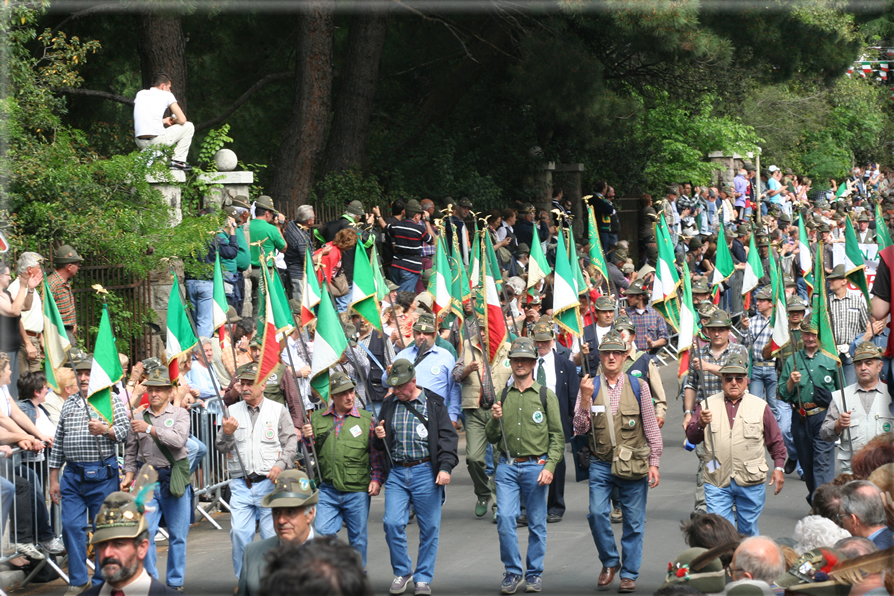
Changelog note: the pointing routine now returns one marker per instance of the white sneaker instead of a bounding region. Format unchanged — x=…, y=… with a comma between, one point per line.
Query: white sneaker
x=54, y=546
x=30, y=551
x=160, y=537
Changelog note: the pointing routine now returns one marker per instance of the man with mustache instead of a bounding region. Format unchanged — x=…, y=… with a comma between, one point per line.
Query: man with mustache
x=122, y=543
x=260, y=431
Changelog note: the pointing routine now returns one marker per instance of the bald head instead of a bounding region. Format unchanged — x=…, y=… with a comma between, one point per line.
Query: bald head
x=759, y=558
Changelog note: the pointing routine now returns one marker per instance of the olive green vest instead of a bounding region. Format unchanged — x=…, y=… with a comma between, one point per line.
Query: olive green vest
x=628, y=423
x=344, y=460
x=272, y=390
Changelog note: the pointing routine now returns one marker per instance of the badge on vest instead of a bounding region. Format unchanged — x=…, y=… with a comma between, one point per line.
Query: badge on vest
x=169, y=422
x=506, y=363
x=436, y=370
x=355, y=430
x=827, y=379
x=269, y=434
x=637, y=373
x=886, y=426
x=538, y=417
x=631, y=423
x=421, y=431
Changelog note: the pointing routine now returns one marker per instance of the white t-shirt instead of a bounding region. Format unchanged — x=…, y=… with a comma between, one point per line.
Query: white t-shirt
x=148, y=109
x=32, y=319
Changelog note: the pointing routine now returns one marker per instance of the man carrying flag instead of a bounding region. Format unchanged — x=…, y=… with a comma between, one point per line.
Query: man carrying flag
x=849, y=316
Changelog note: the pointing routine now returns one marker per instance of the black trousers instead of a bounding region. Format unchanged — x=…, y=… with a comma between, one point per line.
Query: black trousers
x=555, y=497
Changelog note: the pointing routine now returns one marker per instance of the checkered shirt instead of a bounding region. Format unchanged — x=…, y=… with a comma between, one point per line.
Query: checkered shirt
x=649, y=325
x=64, y=298
x=849, y=316
x=684, y=202
x=757, y=336
x=408, y=445
x=74, y=442
x=713, y=383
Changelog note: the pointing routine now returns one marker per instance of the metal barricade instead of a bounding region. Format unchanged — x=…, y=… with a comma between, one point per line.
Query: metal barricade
x=211, y=476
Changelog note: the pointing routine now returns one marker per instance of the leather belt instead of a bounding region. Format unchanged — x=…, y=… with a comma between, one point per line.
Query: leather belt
x=410, y=464
x=147, y=137
x=764, y=364
x=519, y=460
x=32, y=333
x=810, y=409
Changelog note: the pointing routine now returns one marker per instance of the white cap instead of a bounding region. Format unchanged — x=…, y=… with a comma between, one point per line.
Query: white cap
x=772, y=169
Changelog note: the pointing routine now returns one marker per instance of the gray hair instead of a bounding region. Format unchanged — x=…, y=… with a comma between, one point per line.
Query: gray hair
x=304, y=213
x=864, y=500
x=761, y=557
x=28, y=260
x=855, y=546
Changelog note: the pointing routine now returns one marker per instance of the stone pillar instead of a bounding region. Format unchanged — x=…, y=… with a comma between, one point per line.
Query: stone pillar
x=728, y=166
x=226, y=184
x=169, y=186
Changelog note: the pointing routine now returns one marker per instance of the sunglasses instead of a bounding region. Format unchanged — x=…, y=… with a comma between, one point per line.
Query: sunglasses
x=734, y=379
x=614, y=353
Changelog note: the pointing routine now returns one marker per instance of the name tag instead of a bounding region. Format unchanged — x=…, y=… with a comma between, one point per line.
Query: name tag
x=421, y=431
x=355, y=430
x=597, y=409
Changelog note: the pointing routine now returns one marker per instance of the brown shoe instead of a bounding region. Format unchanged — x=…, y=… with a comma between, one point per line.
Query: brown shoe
x=627, y=585
x=606, y=578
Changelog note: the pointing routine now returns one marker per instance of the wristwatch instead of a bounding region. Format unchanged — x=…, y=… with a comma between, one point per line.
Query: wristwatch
x=688, y=412
x=779, y=469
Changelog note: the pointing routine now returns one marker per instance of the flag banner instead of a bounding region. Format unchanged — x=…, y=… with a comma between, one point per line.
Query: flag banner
x=440, y=281
x=488, y=303
x=310, y=293
x=854, y=266
x=381, y=284
x=821, y=310
x=219, y=304
x=364, y=294
x=475, y=260
x=566, y=304
x=882, y=236
x=724, y=266
x=754, y=270
x=688, y=324
x=580, y=285
x=842, y=188
x=461, y=289
x=664, y=287
x=538, y=267
x=269, y=359
x=282, y=315
x=55, y=339
x=106, y=370
x=597, y=256
x=180, y=338
x=780, y=336
x=804, y=257
x=329, y=345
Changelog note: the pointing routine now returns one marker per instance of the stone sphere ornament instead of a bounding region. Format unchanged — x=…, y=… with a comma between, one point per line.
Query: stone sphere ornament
x=226, y=160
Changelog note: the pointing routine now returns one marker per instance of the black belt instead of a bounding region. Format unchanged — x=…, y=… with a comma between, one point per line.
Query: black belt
x=147, y=137
x=256, y=478
x=410, y=464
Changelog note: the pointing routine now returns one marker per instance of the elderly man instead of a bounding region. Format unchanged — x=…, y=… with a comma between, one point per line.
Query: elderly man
x=849, y=315
x=476, y=389
x=757, y=337
x=260, y=441
x=757, y=561
x=417, y=433
x=159, y=439
x=805, y=372
x=121, y=541
x=533, y=432
x=615, y=410
x=68, y=263
x=864, y=234
x=30, y=357
x=641, y=365
x=433, y=366
x=734, y=457
x=863, y=513
x=351, y=471
x=293, y=505
x=153, y=128
x=868, y=412
x=85, y=444
x=604, y=308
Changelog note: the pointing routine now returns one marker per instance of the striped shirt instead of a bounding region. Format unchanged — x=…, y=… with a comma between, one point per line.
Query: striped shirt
x=408, y=445
x=408, y=238
x=65, y=302
x=849, y=317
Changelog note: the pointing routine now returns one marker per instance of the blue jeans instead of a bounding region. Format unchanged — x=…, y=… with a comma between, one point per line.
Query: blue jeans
x=514, y=482
x=802, y=288
x=405, y=279
x=763, y=385
x=245, y=510
x=78, y=499
x=489, y=467
x=414, y=486
x=785, y=427
x=748, y=500
x=196, y=453
x=633, y=506
x=342, y=302
x=176, y=511
x=817, y=457
x=7, y=497
x=336, y=506
x=201, y=295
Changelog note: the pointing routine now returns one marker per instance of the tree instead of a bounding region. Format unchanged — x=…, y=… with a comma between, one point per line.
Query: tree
x=163, y=49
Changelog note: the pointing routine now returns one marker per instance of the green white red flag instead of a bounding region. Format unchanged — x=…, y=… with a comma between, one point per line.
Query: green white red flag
x=854, y=265
x=495, y=331
x=688, y=323
x=597, y=256
x=566, y=304
x=329, y=345
x=364, y=300
x=310, y=293
x=821, y=310
x=55, y=339
x=664, y=287
x=754, y=269
x=106, y=369
x=180, y=337
x=219, y=304
x=882, y=236
x=269, y=359
x=538, y=267
x=440, y=282
x=780, y=336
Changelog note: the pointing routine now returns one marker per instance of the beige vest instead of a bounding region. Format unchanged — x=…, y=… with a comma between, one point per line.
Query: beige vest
x=865, y=425
x=628, y=423
x=740, y=450
x=500, y=373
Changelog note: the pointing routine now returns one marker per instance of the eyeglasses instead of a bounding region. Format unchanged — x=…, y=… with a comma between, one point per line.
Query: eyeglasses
x=734, y=379
x=615, y=353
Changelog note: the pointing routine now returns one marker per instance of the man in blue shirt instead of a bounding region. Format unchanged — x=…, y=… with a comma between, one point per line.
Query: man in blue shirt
x=433, y=365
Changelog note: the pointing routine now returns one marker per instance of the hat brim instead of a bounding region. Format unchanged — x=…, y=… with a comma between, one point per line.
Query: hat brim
x=151, y=383
x=106, y=534
x=275, y=499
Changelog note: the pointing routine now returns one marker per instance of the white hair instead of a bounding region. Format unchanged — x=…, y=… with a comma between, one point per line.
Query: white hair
x=815, y=531
x=26, y=261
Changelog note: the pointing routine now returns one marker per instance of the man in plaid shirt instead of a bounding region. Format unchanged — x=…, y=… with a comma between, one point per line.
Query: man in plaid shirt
x=85, y=444
x=351, y=472
x=651, y=330
x=758, y=332
x=849, y=315
x=704, y=370
x=68, y=262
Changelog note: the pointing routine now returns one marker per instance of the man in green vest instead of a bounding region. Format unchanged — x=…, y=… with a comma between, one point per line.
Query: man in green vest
x=351, y=472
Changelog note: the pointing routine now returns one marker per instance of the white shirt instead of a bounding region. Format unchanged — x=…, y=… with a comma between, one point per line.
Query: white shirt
x=549, y=366
x=600, y=333
x=504, y=229
x=32, y=319
x=148, y=109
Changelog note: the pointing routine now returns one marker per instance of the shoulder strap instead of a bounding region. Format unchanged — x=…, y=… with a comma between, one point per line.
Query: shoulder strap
x=164, y=450
x=414, y=412
x=503, y=396
x=543, y=397
x=637, y=388
x=807, y=368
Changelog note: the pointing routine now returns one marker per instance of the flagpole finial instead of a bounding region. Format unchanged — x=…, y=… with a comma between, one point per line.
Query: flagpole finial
x=99, y=289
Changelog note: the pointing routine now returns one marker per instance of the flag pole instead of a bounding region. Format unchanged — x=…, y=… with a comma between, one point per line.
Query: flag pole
x=226, y=410
x=88, y=408
x=701, y=391
x=488, y=404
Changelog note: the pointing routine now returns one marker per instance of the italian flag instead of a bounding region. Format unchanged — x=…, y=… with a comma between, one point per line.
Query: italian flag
x=538, y=267
x=106, y=370
x=269, y=344
x=55, y=339
x=882, y=236
x=597, y=256
x=664, y=288
x=381, y=284
x=219, y=303
x=821, y=311
x=780, y=336
x=310, y=294
x=580, y=285
x=440, y=282
x=804, y=256
x=754, y=270
x=282, y=316
x=566, y=304
x=180, y=337
x=329, y=345
x=363, y=293
x=688, y=323
x=475, y=260
x=724, y=266
x=854, y=265
x=494, y=322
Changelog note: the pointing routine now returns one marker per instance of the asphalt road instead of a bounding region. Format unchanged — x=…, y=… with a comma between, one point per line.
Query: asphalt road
x=469, y=555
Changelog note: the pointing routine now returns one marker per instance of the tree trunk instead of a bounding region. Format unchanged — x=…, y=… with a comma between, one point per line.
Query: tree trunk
x=163, y=49
x=305, y=133
x=356, y=91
